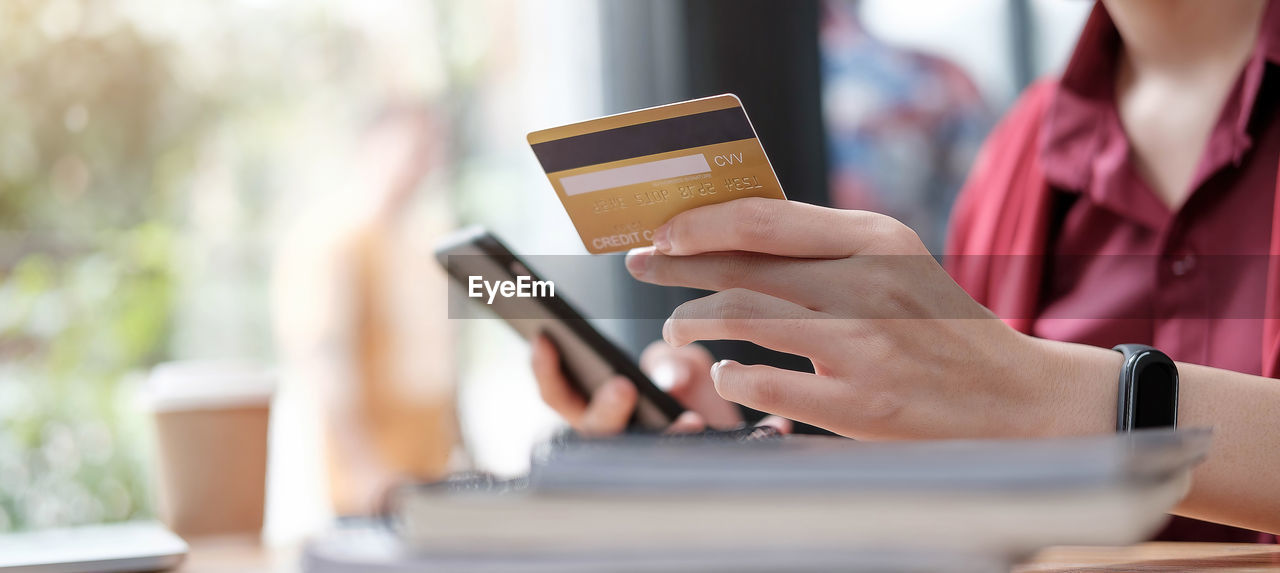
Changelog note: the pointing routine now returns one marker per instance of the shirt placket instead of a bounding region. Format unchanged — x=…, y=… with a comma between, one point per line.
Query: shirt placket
x=1179, y=304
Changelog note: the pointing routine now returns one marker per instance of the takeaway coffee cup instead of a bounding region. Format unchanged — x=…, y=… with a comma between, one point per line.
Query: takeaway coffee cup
x=211, y=422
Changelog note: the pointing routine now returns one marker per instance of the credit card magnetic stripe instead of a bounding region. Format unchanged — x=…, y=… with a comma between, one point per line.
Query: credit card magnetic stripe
x=671, y=134
x=622, y=176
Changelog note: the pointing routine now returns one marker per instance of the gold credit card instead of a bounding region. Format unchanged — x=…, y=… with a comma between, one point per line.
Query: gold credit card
x=622, y=176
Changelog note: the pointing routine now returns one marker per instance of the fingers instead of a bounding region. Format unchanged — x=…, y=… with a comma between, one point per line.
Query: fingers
x=610, y=406
x=668, y=374
x=685, y=374
x=795, y=395
x=555, y=389
x=740, y=314
x=780, y=227
x=675, y=370
x=688, y=423
x=609, y=410
x=782, y=425
x=779, y=276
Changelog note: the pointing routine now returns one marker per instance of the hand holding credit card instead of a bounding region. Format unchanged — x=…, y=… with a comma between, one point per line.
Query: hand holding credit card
x=622, y=176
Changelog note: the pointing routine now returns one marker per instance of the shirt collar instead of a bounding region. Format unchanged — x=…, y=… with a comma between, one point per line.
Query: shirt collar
x=1083, y=146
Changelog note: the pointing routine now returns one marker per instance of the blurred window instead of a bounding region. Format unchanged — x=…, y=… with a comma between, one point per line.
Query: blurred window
x=163, y=165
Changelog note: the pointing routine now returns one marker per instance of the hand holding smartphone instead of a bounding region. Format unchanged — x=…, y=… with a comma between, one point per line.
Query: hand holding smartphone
x=588, y=359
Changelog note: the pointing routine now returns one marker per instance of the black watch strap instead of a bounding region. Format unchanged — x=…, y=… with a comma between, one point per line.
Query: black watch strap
x=1148, y=389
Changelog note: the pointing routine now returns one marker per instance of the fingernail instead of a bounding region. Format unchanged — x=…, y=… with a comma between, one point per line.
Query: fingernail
x=638, y=260
x=666, y=331
x=662, y=238
x=715, y=370
x=667, y=374
x=688, y=418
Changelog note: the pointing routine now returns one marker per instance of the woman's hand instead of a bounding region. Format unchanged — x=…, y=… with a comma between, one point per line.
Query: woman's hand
x=682, y=372
x=899, y=349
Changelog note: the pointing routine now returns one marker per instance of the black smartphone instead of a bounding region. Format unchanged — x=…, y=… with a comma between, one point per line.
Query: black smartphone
x=473, y=256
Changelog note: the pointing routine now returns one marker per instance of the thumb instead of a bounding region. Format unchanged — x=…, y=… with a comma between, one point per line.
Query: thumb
x=673, y=376
x=688, y=423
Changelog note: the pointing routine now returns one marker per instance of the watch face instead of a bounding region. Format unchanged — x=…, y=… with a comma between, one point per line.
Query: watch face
x=1155, y=392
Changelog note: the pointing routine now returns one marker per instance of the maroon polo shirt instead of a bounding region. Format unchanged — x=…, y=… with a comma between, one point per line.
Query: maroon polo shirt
x=1189, y=280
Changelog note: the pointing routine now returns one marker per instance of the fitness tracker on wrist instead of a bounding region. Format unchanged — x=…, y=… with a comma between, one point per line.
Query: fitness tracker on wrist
x=1148, y=389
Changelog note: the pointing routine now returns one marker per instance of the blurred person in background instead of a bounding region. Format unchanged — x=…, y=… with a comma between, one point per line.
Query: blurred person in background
x=1149, y=169
x=375, y=335
x=902, y=126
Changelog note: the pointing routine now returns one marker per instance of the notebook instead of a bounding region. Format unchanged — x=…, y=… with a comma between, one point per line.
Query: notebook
x=640, y=502
x=127, y=546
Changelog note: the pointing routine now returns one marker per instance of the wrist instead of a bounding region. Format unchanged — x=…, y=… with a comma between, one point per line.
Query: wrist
x=1076, y=384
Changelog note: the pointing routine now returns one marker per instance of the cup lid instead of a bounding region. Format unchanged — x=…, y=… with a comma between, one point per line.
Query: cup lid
x=199, y=385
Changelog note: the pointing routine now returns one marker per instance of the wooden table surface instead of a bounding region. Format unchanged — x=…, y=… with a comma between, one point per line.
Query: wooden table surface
x=241, y=557
x=1191, y=557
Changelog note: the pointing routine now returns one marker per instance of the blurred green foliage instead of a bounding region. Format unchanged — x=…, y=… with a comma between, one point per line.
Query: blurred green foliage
x=96, y=138
x=143, y=146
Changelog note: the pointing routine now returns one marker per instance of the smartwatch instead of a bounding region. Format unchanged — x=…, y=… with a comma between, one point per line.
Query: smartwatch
x=1148, y=389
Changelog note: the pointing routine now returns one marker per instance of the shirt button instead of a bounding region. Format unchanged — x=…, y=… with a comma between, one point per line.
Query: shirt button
x=1183, y=265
